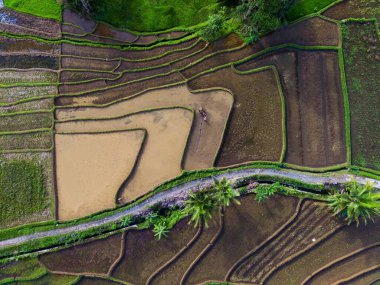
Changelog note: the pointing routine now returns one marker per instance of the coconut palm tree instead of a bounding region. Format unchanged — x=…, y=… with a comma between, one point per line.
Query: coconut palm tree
x=224, y=193
x=356, y=202
x=200, y=206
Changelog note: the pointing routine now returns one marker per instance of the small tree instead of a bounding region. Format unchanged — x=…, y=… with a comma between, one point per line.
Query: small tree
x=356, y=202
x=224, y=193
x=200, y=206
x=126, y=221
x=216, y=26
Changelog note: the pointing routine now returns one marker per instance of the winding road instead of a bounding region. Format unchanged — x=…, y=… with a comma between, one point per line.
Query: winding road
x=179, y=193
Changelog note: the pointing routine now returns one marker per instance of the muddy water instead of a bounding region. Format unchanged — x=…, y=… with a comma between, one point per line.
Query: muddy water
x=164, y=146
x=206, y=136
x=91, y=168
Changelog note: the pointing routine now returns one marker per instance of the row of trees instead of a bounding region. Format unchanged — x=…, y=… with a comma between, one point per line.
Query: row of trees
x=354, y=202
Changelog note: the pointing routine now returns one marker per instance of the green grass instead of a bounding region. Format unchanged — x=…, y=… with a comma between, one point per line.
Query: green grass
x=360, y=45
x=27, y=268
x=22, y=190
x=152, y=15
x=43, y=8
x=302, y=8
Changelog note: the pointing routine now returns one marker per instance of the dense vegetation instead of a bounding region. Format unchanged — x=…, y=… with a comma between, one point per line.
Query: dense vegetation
x=44, y=8
x=356, y=202
x=250, y=18
x=147, y=15
x=362, y=64
x=303, y=8
x=22, y=191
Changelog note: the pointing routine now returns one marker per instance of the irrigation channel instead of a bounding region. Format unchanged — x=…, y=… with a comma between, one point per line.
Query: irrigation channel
x=180, y=193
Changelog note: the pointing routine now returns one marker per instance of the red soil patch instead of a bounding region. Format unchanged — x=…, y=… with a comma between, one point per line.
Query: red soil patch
x=255, y=128
x=315, y=123
x=92, y=257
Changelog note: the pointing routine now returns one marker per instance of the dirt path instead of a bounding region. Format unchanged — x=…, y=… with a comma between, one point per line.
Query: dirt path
x=181, y=191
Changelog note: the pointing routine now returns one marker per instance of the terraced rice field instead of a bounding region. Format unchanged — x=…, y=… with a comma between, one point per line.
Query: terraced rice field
x=93, y=118
x=240, y=246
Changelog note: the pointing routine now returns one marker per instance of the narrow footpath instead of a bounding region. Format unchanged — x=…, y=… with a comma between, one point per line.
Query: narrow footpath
x=181, y=192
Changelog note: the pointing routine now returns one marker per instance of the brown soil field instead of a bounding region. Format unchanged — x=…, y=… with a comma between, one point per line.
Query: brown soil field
x=13, y=94
x=10, y=45
x=90, y=169
x=315, y=123
x=27, y=61
x=217, y=60
x=311, y=225
x=123, y=91
x=74, y=76
x=88, y=63
x=68, y=28
x=16, y=77
x=25, y=122
x=255, y=127
x=344, y=242
x=105, y=30
x=46, y=104
x=354, y=9
x=174, y=272
x=345, y=269
x=32, y=25
x=124, y=79
x=70, y=17
x=144, y=253
x=162, y=60
x=245, y=227
x=41, y=140
x=311, y=32
x=203, y=142
x=96, y=281
x=112, y=53
x=91, y=257
x=167, y=133
x=230, y=42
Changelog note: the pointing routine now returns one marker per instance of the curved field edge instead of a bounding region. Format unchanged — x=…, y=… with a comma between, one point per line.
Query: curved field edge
x=105, y=222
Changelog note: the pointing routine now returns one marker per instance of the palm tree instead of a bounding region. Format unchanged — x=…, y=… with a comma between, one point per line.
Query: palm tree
x=263, y=192
x=201, y=205
x=160, y=230
x=356, y=202
x=224, y=193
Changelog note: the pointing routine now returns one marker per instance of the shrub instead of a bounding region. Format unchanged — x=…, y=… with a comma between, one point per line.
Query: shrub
x=356, y=202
